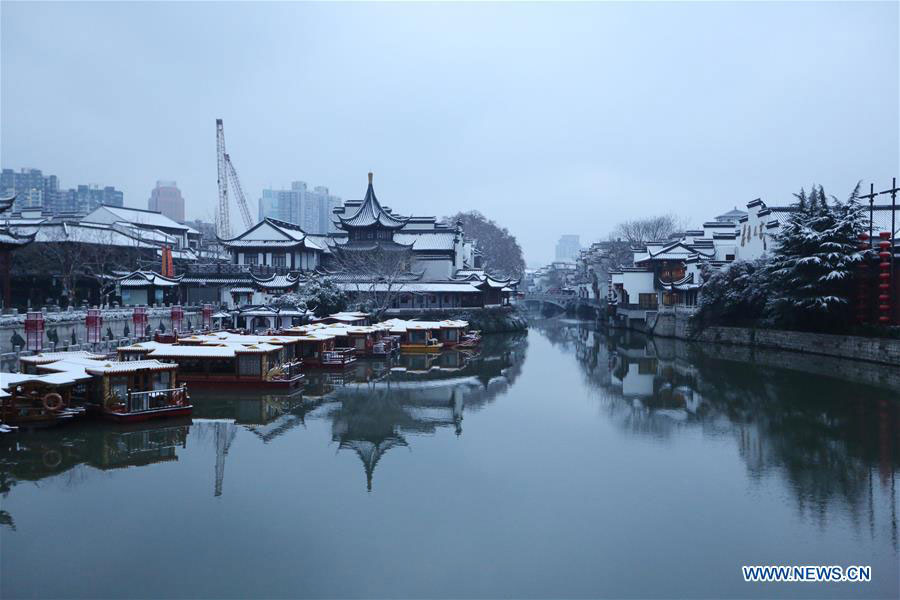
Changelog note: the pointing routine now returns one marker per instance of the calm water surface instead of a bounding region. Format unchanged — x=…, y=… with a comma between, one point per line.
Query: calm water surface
x=561, y=463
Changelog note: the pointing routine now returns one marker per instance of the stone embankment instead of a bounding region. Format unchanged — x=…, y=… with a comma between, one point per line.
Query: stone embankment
x=68, y=323
x=877, y=350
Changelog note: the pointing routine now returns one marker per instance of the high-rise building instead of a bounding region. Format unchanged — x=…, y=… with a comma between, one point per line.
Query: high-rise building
x=34, y=190
x=567, y=248
x=166, y=198
x=310, y=209
x=85, y=198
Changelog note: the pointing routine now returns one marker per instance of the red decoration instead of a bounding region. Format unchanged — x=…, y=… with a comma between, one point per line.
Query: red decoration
x=884, y=298
x=139, y=318
x=34, y=331
x=93, y=322
x=207, y=316
x=177, y=318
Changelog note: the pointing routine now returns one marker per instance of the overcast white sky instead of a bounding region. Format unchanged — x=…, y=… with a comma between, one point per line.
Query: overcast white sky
x=548, y=118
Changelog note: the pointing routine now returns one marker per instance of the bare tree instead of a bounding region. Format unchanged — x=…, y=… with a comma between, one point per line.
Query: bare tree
x=378, y=276
x=641, y=231
x=58, y=255
x=109, y=251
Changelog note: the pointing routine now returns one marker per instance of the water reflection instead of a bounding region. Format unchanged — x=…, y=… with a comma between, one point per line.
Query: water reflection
x=834, y=440
x=423, y=393
x=372, y=406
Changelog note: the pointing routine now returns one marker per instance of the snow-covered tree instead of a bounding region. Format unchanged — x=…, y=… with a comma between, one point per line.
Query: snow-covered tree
x=734, y=295
x=321, y=295
x=812, y=269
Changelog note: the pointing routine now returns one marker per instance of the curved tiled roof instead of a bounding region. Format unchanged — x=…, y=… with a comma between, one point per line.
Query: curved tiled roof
x=275, y=281
x=371, y=213
x=148, y=278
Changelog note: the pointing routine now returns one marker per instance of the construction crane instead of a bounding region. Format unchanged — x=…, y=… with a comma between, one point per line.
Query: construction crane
x=226, y=171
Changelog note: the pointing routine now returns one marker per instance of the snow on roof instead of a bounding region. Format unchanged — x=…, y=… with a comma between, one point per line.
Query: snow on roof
x=48, y=357
x=143, y=217
x=174, y=351
x=427, y=240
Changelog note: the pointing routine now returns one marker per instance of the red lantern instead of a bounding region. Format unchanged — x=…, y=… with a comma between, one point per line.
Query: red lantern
x=207, y=316
x=885, y=276
x=93, y=322
x=177, y=318
x=34, y=331
x=139, y=318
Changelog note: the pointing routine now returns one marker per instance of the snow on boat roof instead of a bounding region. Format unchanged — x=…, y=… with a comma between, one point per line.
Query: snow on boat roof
x=128, y=366
x=48, y=357
x=13, y=379
x=173, y=351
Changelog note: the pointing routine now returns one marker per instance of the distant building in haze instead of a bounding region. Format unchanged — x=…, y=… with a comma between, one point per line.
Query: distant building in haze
x=33, y=189
x=86, y=198
x=567, y=248
x=310, y=209
x=166, y=198
x=36, y=191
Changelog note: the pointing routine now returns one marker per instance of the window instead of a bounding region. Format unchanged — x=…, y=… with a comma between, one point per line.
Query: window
x=729, y=257
x=279, y=260
x=250, y=259
x=249, y=364
x=161, y=380
x=118, y=387
x=647, y=300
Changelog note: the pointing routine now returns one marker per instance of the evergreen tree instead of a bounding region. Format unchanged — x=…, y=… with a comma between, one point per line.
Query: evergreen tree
x=811, y=274
x=734, y=295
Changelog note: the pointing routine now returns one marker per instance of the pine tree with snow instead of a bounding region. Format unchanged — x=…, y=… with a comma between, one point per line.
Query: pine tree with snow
x=811, y=274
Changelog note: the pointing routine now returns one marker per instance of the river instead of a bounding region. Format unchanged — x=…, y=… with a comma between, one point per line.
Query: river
x=561, y=463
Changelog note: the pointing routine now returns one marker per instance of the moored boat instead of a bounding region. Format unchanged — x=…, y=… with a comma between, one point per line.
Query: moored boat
x=227, y=359
x=122, y=391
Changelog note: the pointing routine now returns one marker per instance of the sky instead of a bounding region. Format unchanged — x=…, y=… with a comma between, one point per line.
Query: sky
x=547, y=118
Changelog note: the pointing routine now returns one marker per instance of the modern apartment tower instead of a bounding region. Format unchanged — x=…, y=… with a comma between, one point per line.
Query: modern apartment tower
x=36, y=191
x=567, y=248
x=310, y=209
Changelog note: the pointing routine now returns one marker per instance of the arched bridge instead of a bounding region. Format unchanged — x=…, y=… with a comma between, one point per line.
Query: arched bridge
x=562, y=300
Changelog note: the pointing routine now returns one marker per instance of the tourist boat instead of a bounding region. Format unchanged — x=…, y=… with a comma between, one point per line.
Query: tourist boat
x=226, y=359
x=32, y=401
x=421, y=337
x=121, y=391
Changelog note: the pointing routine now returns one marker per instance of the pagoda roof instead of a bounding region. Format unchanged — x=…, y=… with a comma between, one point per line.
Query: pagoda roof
x=8, y=236
x=371, y=213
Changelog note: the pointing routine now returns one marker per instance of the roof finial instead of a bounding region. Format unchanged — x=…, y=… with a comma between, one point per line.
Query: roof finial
x=370, y=177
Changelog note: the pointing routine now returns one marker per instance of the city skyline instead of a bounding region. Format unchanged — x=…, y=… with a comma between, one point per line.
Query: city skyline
x=575, y=100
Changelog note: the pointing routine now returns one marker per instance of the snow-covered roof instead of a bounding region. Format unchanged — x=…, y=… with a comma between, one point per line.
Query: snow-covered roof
x=426, y=240
x=139, y=216
x=139, y=279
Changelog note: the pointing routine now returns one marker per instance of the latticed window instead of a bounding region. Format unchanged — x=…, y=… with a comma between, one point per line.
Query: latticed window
x=279, y=260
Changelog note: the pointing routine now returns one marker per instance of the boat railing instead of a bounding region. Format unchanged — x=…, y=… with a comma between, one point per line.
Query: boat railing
x=152, y=399
x=338, y=356
x=290, y=370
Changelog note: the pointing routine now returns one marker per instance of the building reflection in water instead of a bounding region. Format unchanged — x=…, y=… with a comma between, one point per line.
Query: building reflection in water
x=821, y=424
x=372, y=407
x=423, y=393
x=72, y=452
